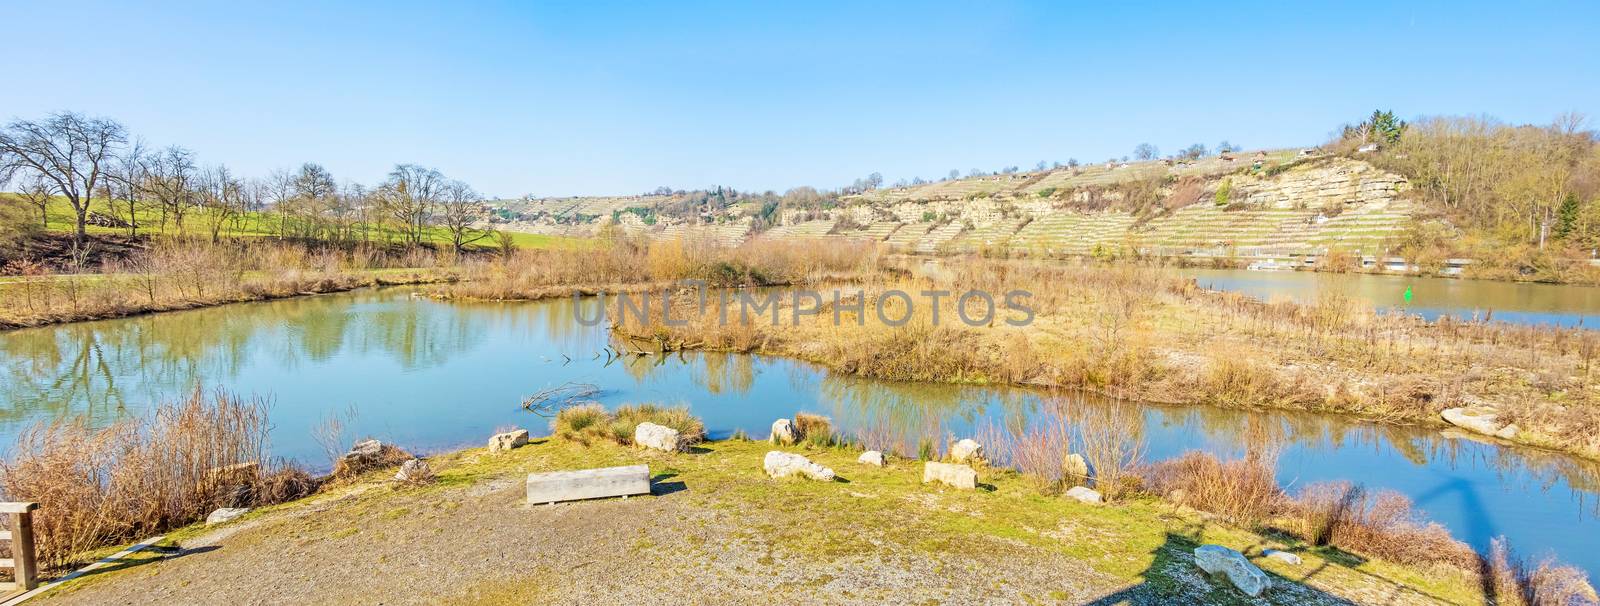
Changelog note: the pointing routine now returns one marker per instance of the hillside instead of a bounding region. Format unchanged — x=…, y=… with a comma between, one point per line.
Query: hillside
x=1277, y=204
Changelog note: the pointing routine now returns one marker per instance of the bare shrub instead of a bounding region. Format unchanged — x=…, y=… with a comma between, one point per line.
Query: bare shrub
x=1244, y=491
x=140, y=476
x=1112, y=437
x=815, y=430
x=1038, y=450
x=1344, y=515
x=1519, y=581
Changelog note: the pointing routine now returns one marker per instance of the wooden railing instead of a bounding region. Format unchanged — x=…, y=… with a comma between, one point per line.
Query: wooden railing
x=25, y=573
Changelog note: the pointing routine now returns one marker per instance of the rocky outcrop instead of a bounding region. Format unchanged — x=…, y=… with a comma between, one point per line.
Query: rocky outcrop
x=950, y=474
x=658, y=437
x=502, y=442
x=1480, y=419
x=967, y=450
x=1084, y=494
x=872, y=457
x=779, y=464
x=1221, y=561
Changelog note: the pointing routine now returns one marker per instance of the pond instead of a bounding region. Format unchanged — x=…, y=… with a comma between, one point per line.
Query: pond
x=1513, y=302
x=433, y=375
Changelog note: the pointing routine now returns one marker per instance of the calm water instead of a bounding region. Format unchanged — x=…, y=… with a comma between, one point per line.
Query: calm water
x=433, y=375
x=1515, y=302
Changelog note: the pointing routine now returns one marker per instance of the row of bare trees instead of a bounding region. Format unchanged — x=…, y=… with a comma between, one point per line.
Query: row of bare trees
x=92, y=163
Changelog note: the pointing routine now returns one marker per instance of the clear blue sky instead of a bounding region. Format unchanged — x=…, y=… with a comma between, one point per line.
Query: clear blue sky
x=595, y=97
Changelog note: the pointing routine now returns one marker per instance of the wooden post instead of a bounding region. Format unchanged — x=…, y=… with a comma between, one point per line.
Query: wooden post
x=23, y=566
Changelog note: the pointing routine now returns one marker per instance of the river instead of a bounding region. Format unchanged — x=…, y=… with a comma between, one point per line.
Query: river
x=1512, y=302
x=433, y=375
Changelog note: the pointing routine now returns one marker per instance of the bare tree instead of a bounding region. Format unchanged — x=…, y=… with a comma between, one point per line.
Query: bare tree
x=126, y=187
x=221, y=199
x=460, y=209
x=37, y=193
x=1146, y=151
x=410, y=196
x=170, y=179
x=69, y=150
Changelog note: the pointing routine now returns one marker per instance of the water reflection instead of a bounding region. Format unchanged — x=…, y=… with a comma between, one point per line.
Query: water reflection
x=432, y=374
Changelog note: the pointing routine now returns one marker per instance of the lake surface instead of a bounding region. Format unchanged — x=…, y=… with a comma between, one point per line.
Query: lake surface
x=1431, y=297
x=432, y=375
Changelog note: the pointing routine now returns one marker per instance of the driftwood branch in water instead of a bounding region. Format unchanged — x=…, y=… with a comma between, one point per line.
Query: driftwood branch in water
x=549, y=401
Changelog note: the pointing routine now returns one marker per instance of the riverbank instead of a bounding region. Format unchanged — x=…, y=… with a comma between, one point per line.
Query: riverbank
x=717, y=529
x=1138, y=334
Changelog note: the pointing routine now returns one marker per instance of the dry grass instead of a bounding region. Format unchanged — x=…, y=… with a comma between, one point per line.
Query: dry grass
x=1344, y=515
x=1517, y=581
x=815, y=430
x=180, y=273
x=1038, y=450
x=589, y=422
x=137, y=477
x=1243, y=491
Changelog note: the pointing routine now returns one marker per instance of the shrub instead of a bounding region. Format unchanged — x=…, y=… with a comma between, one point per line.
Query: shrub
x=815, y=430
x=1518, y=581
x=1244, y=491
x=1344, y=515
x=591, y=421
x=143, y=475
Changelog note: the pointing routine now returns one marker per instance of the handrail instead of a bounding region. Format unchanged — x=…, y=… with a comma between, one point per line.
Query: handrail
x=20, y=535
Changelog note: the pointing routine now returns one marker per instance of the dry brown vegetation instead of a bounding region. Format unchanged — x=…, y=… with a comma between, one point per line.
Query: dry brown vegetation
x=179, y=273
x=1143, y=334
x=587, y=422
x=144, y=475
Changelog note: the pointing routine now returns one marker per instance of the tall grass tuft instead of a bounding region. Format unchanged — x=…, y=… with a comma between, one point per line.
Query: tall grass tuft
x=1244, y=491
x=1345, y=515
x=109, y=485
x=593, y=422
x=815, y=430
x=1521, y=582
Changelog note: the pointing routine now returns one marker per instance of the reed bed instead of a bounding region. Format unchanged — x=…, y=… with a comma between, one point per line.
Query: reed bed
x=141, y=476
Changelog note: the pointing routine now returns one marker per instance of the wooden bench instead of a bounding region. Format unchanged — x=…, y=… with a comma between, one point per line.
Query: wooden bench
x=25, y=573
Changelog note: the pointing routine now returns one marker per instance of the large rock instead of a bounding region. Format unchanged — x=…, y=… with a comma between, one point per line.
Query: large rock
x=1481, y=419
x=1075, y=467
x=502, y=442
x=783, y=432
x=1084, y=494
x=967, y=450
x=1219, y=560
x=1282, y=556
x=365, y=449
x=871, y=457
x=225, y=514
x=659, y=437
x=779, y=464
x=414, y=471
x=959, y=476
x=557, y=486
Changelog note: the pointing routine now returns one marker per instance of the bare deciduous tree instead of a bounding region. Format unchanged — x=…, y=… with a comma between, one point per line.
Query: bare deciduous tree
x=410, y=196
x=70, y=151
x=460, y=209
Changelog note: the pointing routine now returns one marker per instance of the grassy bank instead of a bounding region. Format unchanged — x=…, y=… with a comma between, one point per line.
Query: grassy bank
x=719, y=530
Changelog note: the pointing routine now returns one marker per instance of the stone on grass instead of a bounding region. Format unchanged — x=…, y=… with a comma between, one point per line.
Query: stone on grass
x=779, y=464
x=1282, y=556
x=365, y=449
x=1074, y=466
x=966, y=451
x=414, y=471
x=959, y=476
x=783, y=432
x=659, y=437
x=502, y=442
x=225, y=514
x=1219, y=560
x=557, y=486
x=1084, y=494
x=1481, y=419
x=871, y=457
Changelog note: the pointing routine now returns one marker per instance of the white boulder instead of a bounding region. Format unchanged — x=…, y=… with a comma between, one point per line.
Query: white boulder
x=967, y=450
x=225, y=514
x=1075, y=467
x=1219, y=560
x=780, y=464
x=414, y=470
x=659, y=437
x=783, y=432
x=871, y=457
x=502, y=442
x=1481, y=419
x=1282, y=556
x=1084, y=495
x=959, y=476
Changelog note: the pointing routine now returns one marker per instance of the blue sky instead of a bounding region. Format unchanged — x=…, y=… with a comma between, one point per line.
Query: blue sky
x=601, y=98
